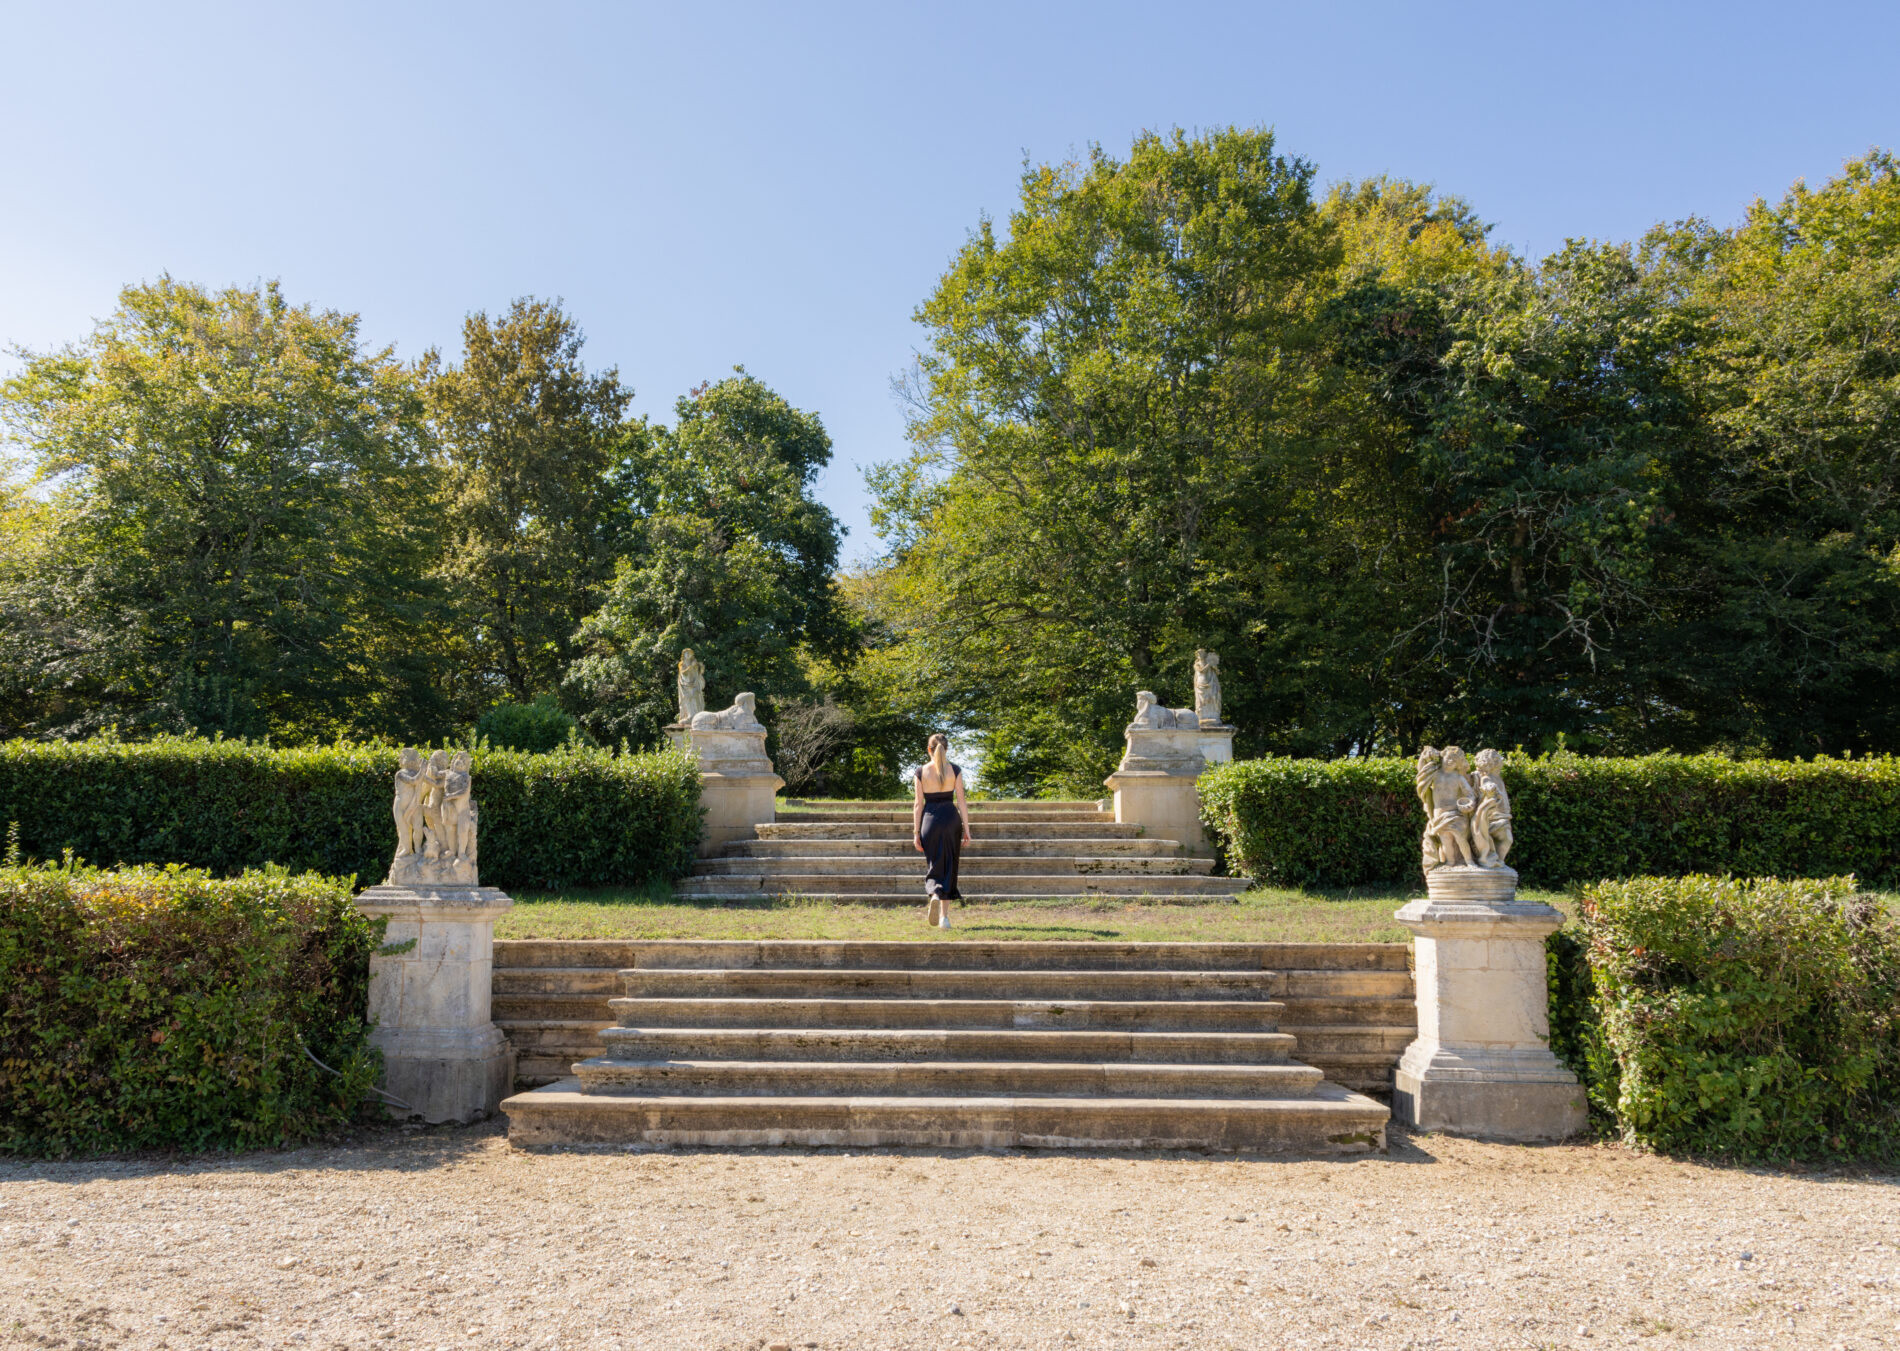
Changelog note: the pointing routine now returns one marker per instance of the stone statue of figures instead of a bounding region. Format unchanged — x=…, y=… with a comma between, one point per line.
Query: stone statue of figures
x=436, y=821
x=1445, y=787
x=411, y=788
x=692, y=685
x=1491, y=821
x=1207, y=687
x=741, y=717
x=458, y=809
x=435, y=827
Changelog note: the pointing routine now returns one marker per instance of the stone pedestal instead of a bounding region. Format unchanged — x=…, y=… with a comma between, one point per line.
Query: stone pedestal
x=429, y=994
x=737, y=785
x=1482, y=1063
x=1156, y=787
x=1217, y=742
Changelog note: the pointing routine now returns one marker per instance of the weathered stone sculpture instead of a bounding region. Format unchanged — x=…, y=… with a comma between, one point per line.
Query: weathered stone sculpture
x=411, y=788
x=1207, y=688
x=1217, y=738
x=738, y=786
x=743, y=716
x=1491, y=822
x=692, y=686
x=1482, y=1063
x=1154, y=785
x=436, y=796
x=443, y=1057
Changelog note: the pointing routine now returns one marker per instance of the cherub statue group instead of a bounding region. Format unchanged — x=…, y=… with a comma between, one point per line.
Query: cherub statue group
x=436, y=820
x=1468, y=810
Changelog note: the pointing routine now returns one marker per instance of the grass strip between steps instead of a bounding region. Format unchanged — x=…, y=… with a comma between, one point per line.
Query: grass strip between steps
x=1264, y=915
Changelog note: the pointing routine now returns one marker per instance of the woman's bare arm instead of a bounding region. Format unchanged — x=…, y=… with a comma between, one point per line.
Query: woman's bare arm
x=917, y=815
x=963, y=809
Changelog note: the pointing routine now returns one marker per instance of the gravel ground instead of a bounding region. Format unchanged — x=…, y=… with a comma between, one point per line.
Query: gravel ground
x=450, y=1237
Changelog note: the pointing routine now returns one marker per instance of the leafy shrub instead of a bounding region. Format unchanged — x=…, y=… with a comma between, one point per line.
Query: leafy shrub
x=1759, y=1019
x=162, y=1007
x=1344, y=823
x=539, y=726
x=581, y=816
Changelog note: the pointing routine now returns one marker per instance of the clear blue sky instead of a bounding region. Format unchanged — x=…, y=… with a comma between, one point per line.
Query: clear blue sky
x=779, y=185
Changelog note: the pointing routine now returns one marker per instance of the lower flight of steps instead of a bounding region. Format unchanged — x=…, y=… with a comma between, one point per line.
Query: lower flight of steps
x=951, y=1044
x=862, y=852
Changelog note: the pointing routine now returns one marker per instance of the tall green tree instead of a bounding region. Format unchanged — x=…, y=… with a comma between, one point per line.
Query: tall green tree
x=1109, y=385
x=231, y=529
x=728, y=553
x=532, y=441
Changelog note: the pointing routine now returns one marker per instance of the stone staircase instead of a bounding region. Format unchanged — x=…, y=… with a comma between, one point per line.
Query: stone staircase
x=861, y=852
x=952, y=1043
x=1349, y=1004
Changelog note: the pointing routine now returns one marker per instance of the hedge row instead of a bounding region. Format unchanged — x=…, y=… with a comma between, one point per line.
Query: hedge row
x=1343, y=823
x=579, y=816
x=165, y=1008
x=1756, y=1019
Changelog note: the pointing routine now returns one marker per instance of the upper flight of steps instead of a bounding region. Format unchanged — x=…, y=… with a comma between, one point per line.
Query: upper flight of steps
x=862, y=852
x=953, y=1044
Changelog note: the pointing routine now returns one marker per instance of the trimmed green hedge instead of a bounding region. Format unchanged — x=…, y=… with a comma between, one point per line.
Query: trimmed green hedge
x=1758, y=1019
x=579, y=816
x=1343, y=823
x=165, y=1008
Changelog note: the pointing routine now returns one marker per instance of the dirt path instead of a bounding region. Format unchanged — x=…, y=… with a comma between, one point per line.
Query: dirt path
x=452, y=1238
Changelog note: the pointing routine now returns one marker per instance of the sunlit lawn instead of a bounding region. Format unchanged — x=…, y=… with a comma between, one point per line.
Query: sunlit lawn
x=1266, y=915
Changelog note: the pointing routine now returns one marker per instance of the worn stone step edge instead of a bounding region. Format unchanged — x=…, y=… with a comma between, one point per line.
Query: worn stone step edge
x=938, y=1078
x=821, y=981
x=902, y=848
x=910, y=871
x=788, y=982
x=974, y=886
x=1133, y=1015
x=989, y=954
x=1331, y=1120
x=911, y=1044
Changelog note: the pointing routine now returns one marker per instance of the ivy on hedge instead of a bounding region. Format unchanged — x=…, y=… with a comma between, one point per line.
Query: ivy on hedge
x=579, y=816
x=1340, y=823
x=1752, y=1018
x=166, y=1008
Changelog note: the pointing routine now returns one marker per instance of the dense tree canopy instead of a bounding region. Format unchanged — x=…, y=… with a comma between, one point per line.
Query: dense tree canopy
x=225, y=538
x=1411, y=487
x=726, y=553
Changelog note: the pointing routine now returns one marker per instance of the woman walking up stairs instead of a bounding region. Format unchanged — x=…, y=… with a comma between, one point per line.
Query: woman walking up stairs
x=940, y=827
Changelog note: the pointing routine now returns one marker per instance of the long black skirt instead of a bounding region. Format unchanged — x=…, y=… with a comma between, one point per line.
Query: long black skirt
x=942, y=833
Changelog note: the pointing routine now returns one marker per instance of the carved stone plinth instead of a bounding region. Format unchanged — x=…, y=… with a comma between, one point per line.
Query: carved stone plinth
x=1155, y=785
x=1217, y=742
x=738, y=786
x=1482, y=1063
x=443, y=1057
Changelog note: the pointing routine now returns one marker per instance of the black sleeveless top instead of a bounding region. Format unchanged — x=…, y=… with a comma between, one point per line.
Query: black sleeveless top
x=947, y=795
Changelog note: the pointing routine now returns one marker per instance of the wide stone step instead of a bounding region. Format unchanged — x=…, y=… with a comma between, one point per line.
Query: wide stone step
x=546, y=1051
x=981, y=865
x=980, y=807
x=1122, y=1015
x=1329, y=1120
x=901, y=848
x=848, y=983
x=730, y=954
x=794, y=829
x=911, y=1044
x=978, y=817
x=941, y=1078
x=979, y=887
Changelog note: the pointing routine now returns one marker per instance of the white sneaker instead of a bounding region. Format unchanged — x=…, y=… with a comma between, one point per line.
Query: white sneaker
x=943, y=920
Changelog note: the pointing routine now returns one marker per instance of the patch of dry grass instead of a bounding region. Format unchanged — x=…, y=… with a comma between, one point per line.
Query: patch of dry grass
x=1263, y=915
